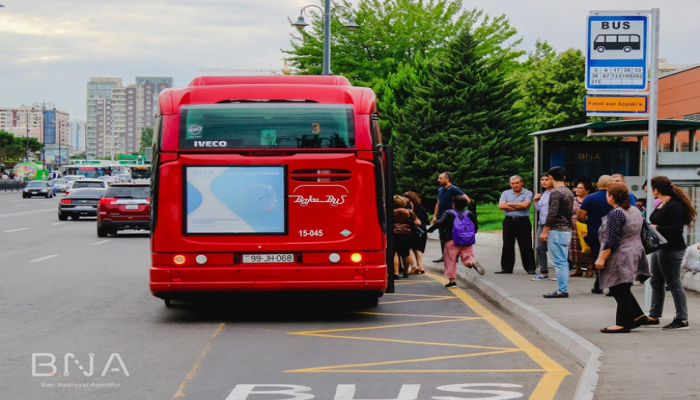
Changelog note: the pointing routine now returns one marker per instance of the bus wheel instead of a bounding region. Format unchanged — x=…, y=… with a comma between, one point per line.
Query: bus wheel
x=627, y=49
x=369, y=300
x=600, y=49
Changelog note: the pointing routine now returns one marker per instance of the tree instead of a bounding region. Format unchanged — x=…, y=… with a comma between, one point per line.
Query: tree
x=463, y=119
x=14, y=147
x=146, y=140
x=391, y=32
x=553, y=87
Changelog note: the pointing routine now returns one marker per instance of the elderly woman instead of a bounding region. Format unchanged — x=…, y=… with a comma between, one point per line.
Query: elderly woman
x=622, y=259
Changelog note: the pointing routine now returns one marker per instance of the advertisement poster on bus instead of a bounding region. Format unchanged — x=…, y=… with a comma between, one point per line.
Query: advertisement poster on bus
x=235, y=200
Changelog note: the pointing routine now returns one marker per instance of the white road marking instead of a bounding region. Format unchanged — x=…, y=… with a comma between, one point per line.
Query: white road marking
x=44, y=258
x=15, y=230
x=102, y=241
x=21, y=213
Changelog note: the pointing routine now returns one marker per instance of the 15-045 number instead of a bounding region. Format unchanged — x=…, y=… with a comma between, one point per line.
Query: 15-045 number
x=310, y=232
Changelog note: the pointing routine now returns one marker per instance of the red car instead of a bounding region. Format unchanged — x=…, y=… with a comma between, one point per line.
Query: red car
x=124, y=206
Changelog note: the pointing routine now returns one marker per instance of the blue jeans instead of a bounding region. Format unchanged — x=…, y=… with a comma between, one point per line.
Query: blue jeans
x=541, y=248
x=558, y=244
x=666, y=273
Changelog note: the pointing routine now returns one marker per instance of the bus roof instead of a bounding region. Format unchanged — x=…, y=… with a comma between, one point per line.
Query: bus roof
x=331, y=80
x=297, y=88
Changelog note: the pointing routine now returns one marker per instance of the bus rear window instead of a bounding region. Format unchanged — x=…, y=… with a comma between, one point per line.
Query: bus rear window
x=265, y=126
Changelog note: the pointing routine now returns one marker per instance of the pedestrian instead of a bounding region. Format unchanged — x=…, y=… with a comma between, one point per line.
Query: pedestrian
x=593, y=208
x=418, y=243
x=542, y=207
x=557, y=230
x=446, y=194
x=580, y=259
x=403, y=235
x=675, y=211
x=619, y=178
x=515, y=204
x=453, y=248
x=621, y=259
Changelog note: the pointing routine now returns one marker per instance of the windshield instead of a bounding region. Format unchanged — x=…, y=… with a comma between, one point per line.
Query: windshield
x=132, y=192
x=264, y=126
x=36, y=184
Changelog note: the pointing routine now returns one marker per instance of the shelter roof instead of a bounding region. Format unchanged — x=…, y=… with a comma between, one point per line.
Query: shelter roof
x=627, y=127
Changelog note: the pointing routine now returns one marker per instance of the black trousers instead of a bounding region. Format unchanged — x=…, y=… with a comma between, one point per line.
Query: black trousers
x=627, y=307
x=517, y=229
x=594, y=243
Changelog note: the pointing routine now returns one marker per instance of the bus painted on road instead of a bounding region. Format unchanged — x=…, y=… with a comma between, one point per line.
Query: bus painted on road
x=268, y=183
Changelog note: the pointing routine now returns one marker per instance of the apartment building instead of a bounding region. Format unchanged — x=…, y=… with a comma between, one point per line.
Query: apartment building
x=48, y=125
x=116, y=114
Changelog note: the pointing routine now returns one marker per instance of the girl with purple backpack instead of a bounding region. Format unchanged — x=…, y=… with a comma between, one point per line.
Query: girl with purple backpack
x=459, y=227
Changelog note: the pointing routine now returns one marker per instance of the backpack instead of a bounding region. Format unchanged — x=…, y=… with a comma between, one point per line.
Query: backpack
x=463, y=230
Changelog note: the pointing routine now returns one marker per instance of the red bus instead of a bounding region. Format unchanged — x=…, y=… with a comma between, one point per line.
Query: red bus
x=268, y=183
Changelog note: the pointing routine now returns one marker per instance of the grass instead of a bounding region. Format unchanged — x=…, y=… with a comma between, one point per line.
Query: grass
x=491, y=218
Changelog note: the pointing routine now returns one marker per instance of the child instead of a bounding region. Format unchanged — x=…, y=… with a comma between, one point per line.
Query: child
x=452, y=250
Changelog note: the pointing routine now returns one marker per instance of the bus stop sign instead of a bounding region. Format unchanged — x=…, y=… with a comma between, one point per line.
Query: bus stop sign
x=616, y=55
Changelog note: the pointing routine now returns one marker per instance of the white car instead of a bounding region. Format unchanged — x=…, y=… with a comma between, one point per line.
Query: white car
x=87, y=183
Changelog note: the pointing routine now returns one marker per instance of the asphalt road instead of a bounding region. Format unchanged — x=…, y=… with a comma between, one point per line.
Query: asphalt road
x=78, y=322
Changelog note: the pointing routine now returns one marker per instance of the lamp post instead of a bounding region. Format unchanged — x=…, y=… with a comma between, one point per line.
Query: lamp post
x=326, y=15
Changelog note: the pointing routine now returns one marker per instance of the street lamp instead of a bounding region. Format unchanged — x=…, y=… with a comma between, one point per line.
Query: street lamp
x=326, y=15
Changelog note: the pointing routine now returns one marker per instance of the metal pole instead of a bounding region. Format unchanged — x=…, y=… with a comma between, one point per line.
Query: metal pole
x=653, y=127
x=26, y=149
x=327, y=37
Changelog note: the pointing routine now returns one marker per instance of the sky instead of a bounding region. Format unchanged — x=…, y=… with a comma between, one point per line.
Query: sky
x=50, y=49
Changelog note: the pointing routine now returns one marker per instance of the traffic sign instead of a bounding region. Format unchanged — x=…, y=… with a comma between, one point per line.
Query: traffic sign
x=610, y=105
x=617, y=52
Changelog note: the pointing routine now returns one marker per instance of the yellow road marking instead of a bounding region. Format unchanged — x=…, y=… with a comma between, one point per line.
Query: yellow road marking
x=193, y=372
x=546, y=389
x=550, y=382
x=339, y=368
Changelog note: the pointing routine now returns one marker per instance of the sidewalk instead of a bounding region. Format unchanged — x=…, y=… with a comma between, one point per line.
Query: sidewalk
x=648, y=363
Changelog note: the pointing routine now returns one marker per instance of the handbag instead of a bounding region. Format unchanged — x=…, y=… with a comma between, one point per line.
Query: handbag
x=582, y=232
x=652, y=240
x=417, y=230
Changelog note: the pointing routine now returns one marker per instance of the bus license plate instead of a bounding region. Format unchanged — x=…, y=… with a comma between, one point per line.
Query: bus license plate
x=267, y=258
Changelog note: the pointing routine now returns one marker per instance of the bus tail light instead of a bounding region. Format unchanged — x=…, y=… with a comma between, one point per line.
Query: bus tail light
x=179, y=259
x=201, y=259
x=106, y=201
x=356, y=257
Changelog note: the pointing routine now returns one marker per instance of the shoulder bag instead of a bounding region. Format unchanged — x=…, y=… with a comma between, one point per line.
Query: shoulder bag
x=652, y=240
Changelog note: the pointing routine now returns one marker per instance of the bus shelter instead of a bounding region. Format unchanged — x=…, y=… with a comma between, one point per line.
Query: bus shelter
x=678, y=156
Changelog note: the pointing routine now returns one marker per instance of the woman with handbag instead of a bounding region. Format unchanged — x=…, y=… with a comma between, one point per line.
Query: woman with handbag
x=419, y=242
x=673, y=212
x=579, y=252
x=621, y=259
x=403, y=236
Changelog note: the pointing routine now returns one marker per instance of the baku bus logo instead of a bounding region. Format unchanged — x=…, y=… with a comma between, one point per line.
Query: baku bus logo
x=333, y=195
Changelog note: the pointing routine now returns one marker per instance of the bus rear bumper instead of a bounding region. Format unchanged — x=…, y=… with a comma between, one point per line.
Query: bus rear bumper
x=166, y=282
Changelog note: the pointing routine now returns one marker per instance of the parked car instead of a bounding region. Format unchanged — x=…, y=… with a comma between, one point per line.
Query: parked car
x=80, y=203
x=124, y=206
x=38, y=188
x=60, y=184
x=87, y=183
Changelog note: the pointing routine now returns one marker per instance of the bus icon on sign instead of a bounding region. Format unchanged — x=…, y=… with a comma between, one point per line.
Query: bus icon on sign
x=624, y=42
